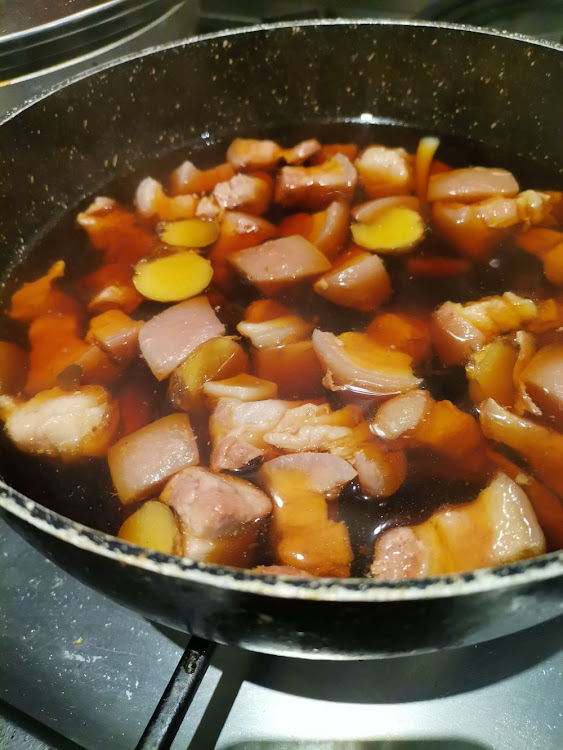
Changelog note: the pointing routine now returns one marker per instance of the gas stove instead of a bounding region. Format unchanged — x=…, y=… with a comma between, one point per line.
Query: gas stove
x=79, y=672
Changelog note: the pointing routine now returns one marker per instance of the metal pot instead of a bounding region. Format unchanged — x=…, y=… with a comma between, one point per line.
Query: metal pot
x=499, y=90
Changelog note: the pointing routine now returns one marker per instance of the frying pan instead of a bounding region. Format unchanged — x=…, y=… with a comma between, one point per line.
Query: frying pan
x=499, y=90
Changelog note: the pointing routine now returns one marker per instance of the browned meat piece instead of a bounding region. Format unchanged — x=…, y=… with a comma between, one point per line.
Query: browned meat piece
x=317, y=186
x=353, y=361
x=211, y=506
x=540, y=446
x=417, y=420
x=385, y=171
x=501, y=524
x=237, y=430
x=276, y=264
x=357, y=279
x=303, y=535
x=116, y=333
x=459, y=330
x=64, y=424
x=142, y=462
x=543, y=381
x=250, y=154
x=152, y=203
x=243, y=192
x=168, y=338
x=471, y=184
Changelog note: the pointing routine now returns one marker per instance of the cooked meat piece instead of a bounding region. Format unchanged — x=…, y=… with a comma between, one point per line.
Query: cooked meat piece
x=152, y=203
x=117, y=334
x=187, y=178
x=280, y=570
x=237, y=430
x=41, y=297
x=302, y=151
x=317, y=186
x=249, y=193
x=501, y=524
x=543, y=380
x=303, y=536
x=417, y=420
x=353, y=360
x=116, y=231
x=471, y=184
x=547, y=506
x=314, y=427
x=288, y=329
x=380, y=471
x=168, y=338
x=277, y=264
x=111, y=287
x=250, y=154
x=212, y=505
x=357, y=279
x=474, y=229
x=459, y=330
x=62, y=424
x=208, y=208
x=404, y=333
x=320, y=473
x=540, y=446
x=144, y=460
x=385, y=171
x=401, y=414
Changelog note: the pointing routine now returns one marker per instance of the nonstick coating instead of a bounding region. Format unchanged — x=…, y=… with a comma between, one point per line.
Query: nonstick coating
x=495, y=89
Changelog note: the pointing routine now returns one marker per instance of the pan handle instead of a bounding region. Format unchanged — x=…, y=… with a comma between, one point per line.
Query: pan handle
x=165, y=722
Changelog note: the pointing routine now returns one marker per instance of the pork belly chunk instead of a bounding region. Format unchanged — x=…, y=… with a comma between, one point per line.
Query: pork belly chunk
x=237, y=430
x=169, y=337
x=499, y=527
x=65, y=424
x=144, y=460
x=211, y=506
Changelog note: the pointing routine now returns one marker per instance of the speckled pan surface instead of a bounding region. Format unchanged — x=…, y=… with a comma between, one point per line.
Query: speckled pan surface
x=496, y=89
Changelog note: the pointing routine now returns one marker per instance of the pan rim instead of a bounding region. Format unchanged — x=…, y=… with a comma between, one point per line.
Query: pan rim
x=540, y=568
x=254, y=28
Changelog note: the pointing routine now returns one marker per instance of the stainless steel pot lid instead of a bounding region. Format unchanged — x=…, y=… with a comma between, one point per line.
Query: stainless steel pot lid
x=36, y=34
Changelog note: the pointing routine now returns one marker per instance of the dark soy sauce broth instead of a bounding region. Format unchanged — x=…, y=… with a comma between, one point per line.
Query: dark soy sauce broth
x=83, y=491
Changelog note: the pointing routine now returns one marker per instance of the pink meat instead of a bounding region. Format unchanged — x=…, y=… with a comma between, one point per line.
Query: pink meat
x=471, y=184
x=325, y=473
x=244, y=192
x=317, y=186
x=276, y=264
x=454, y=337
x=237, y=430
x=301, y=151
x=141, y=462
x=212, y=506
x=250, y=154
x=168, y=338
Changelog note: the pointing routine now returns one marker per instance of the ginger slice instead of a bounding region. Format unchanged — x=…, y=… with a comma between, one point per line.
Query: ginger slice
x=173, y=278
x=394, y=231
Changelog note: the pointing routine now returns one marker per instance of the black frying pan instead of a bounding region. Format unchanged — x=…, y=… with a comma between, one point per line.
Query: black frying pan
x=498, y=90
